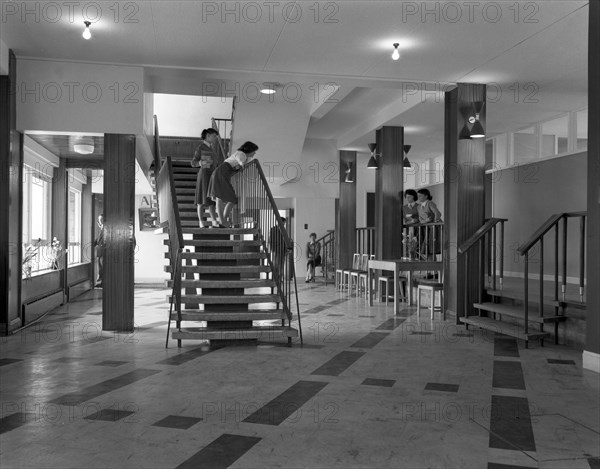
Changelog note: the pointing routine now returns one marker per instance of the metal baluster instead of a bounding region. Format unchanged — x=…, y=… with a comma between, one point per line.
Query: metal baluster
x=489, y=257
x=581, y=257
x=501, y=253
x=542, y=279
x=556, y=261
x=526, y=293
x=495, y=255
x=564, y=260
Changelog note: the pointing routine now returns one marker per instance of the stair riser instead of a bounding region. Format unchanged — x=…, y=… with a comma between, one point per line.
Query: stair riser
x=235, y=335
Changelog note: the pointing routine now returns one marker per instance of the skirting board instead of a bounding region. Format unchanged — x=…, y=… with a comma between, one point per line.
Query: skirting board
x=591, y=361
x=32, y=311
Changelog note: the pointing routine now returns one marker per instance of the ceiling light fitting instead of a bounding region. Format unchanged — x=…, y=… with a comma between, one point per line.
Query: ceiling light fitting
x=87, y=34
x=396, y=53
x=270, y=88
x=373, y=164
x=349, y=177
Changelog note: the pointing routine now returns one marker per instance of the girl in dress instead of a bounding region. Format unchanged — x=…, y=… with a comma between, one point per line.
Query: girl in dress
x=207, y=160
x=220, y=187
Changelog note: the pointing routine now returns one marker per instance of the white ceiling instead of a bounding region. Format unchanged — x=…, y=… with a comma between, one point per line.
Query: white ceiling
x=543, y=51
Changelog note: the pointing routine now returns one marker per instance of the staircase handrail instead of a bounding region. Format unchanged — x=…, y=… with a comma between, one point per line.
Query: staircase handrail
x=484, y=229
x=283, y=289
x=546, y=226
x=538, y=239
x=156, y=157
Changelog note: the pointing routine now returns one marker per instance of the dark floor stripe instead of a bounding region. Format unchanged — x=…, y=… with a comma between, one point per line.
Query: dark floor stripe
x=556, y=361
x=385, y=383
x=510, y=424
x=286, y=404
x=16, y=420
x=338, y=364
x=495, y=465
x=109, y=415
x=221, y=453
x=370, y=340
x=444, y=387
x=185, y=357
x=151, y=325
x=8, y=361
x=103, y=387
x=390, y=324
x=504, y=347
x=508, y=375
x=179, y=422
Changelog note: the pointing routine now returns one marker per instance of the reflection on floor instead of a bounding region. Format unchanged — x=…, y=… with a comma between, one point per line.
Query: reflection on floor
x=367, y=389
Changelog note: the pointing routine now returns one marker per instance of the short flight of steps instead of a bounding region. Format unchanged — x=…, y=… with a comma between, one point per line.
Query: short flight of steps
x=506, y=315
x=227, y=293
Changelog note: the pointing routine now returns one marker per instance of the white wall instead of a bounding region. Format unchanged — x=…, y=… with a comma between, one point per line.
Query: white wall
x=79, y=97
x=149, y=254
x=319, y=214
x=186, y=116
x=315, y=173
x=3, y=58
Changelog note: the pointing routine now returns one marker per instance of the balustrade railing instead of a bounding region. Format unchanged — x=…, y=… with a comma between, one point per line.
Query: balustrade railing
x=257, y=208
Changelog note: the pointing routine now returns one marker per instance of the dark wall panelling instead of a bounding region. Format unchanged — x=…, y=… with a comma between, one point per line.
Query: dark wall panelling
x=78, y=273
x=464, y=191
x=73, y=291
x=346, y=231
x=11, y=187
x=593, y=178
x=41, y=285
x=388, y=186
x=35, y=309
x=119, y=201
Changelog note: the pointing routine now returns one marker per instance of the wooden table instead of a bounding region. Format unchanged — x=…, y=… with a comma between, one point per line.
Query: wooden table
x=397, y=266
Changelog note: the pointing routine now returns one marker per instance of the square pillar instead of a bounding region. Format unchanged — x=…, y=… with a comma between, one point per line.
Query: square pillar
x=119, y=202
x=346, y=222
x=464, y=191
x=389, y=184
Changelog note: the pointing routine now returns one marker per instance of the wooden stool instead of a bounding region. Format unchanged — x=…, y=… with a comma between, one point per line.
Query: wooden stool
x=339, y=279
x=390, y=280
x=362, y=284
x=431, y=286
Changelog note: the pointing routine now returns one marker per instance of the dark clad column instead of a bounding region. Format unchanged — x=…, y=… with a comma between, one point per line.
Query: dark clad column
x=11, y=193
x=388, y=186
x=119, y=201
x=346, y=230
x=592, y=343
x=464, y=181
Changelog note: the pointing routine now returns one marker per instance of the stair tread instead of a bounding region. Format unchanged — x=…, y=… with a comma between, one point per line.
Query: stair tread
x=211, y=231
x=517, y=312
x=226, y=299
x=535, y=297
x=235, y=333
x=501, y=327
x=249, y=283
x=252, y=315
x=220, y=242
x=223, y=255
x=222, y=269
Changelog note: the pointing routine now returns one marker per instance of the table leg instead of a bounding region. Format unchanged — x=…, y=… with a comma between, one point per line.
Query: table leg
x=409, y=287
x=396, y=282
x=369, y=286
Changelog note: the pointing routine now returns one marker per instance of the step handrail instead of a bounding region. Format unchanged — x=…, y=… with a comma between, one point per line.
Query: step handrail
x=546, y=226
x=537, y=239
x=480, y=233
x=485, y=239
x=256, y=198
x=169, y=218
x=156, y=158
